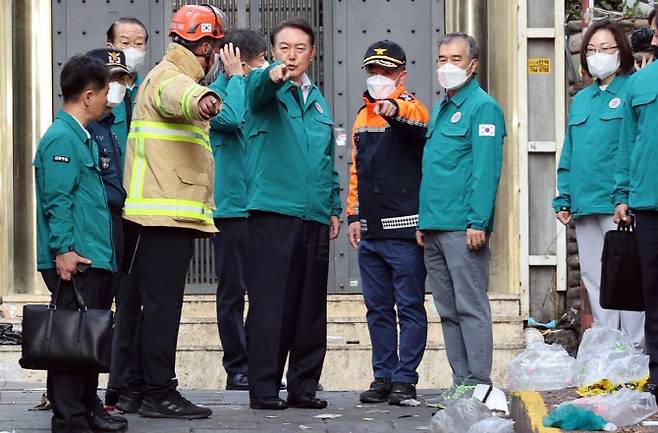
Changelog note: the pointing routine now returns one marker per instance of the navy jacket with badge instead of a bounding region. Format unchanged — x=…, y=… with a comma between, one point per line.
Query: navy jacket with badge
x=385, y=175
x=110, y=157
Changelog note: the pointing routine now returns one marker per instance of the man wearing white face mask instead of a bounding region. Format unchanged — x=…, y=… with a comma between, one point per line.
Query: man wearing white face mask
x=108, y=146
x=461, y=168
x=382, y=210
x=110, y=160
x=129, y=35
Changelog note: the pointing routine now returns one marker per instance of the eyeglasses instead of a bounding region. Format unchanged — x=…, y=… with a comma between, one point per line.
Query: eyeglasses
x=127, y=44
x=590, y=51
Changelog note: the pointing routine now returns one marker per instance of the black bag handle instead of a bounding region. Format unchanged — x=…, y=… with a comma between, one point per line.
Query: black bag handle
x=81, y=303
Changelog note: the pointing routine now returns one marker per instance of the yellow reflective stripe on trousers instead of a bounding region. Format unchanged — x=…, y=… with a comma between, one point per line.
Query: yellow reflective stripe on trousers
x=170, y=132
x=169, y=207
x=158, y=97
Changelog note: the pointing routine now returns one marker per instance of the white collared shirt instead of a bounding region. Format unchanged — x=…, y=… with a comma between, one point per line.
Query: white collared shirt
x=306, y=86
x=83, y=128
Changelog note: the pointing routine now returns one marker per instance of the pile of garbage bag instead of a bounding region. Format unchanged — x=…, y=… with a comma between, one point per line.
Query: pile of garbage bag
x=541, y=367
x=608, y=354
x=606, y=361
x=469, y=416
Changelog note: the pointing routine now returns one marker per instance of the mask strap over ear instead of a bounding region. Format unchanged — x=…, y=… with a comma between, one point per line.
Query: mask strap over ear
x=398, y=77
x=469, y=65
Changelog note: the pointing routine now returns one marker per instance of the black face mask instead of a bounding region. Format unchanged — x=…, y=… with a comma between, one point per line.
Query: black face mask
x=655, y=52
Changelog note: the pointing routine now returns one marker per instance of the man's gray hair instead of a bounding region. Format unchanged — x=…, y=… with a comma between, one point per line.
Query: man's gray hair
x=473, y=49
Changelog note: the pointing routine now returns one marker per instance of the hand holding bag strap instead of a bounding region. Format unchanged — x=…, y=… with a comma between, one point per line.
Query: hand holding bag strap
x=621, y=227
x=81, y=306
x=78, y=296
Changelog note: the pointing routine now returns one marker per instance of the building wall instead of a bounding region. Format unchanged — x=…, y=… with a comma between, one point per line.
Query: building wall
x=506, y=77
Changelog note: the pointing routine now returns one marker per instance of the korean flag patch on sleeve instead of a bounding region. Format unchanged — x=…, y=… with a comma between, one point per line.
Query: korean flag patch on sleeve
x=486, y=130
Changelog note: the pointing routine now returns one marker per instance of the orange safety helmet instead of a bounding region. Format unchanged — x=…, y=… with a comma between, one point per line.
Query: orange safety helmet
x=194, y=22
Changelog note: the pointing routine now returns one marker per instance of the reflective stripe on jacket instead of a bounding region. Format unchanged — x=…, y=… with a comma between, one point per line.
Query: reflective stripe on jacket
x=169, y=165
x=385, y=175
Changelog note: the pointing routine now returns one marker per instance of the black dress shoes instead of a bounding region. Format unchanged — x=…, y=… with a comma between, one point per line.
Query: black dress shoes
x=268, y=403
x=101, y=421
x=238, y=382
x=305, y=402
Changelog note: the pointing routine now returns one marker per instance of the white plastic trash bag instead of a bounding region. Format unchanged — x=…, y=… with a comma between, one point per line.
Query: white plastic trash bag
x=458, y=416
x=623, y=408
x=493, y=424
x=541, y=367
x=606, y=353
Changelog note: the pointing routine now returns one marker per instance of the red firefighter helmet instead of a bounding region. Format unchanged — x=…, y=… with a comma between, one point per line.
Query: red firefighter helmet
x=194, y=22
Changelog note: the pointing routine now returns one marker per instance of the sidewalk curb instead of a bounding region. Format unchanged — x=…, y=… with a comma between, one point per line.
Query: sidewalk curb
x=528, y=409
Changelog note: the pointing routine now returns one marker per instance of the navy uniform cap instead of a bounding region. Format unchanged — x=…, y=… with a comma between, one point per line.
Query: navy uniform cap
x=385, y=53
x=114, y=60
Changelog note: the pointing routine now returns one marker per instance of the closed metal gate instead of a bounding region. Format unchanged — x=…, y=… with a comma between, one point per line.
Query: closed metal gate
x=343, y=30
x=417, y=25
x=201, y=276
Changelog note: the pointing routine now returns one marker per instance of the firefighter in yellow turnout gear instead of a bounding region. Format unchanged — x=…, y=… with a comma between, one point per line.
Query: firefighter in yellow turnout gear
x=169, y=179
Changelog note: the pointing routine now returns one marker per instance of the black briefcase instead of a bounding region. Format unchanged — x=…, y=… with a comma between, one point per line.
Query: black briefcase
x=66, y=340
x=621, y=278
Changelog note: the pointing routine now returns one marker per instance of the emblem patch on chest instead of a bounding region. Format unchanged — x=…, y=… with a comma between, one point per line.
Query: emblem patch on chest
x=614, y=103
x=319, y=108
x=456, y=117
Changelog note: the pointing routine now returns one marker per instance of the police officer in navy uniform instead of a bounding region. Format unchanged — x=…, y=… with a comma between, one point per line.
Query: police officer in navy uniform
x=111, y=169
x=109, y=151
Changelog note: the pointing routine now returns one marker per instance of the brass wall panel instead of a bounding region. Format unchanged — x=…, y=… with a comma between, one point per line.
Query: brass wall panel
x=32, y=114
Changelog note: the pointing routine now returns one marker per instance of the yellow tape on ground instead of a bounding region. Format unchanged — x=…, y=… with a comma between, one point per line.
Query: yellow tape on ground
x=605, y=386
x=536, y=410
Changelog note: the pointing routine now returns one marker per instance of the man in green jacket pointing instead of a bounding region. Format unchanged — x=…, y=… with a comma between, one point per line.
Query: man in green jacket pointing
x=461, y=168
x=294, y=206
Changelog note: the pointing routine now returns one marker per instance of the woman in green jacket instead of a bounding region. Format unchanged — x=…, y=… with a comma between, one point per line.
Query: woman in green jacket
x=585, y=175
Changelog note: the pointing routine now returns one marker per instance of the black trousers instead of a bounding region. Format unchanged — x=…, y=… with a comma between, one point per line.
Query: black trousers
x=646, y=233
x=160, y=265
x=230, y=246
x=73, y=395
x=128, y=311
x=288, y=261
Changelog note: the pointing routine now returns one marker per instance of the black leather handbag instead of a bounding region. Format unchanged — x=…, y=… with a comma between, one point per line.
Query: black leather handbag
x=621, y=277
x=66, y=340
